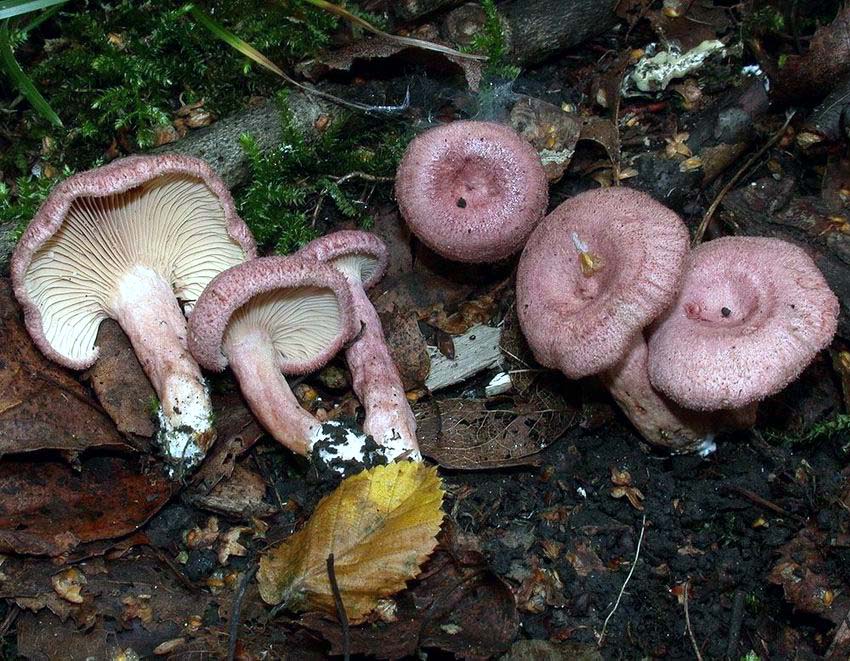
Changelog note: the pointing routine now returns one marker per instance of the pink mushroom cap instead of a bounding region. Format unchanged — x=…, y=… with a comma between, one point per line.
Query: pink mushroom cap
x=582, y=321
x=360, y=254
x=305, y=307
x=752, y=314
x=82, y=267
x=472, y=191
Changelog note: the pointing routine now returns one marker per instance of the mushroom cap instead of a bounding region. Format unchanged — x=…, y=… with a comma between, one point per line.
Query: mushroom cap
x=167, y=213
x=472, y=191
x=584, y=324
x=359, y=254
x=753, y=312
x=305, y=307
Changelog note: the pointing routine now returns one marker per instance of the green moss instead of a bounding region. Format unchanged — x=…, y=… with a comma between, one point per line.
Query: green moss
x=491, y=42
x=821, y=431
x=287, y=183
x=19, y=203
x=118, y=71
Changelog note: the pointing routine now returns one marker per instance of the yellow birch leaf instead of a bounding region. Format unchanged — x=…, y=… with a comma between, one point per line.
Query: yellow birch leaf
x=380, y=525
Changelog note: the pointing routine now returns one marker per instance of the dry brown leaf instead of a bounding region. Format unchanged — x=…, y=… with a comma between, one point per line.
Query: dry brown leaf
x=469, y=435
x=380, y=526
x=41, y=406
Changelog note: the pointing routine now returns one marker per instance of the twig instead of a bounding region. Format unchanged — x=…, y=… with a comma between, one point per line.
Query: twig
x=735, y=624
x=706, y=219
x=601, y=639
x=758, y=500
x=238, y=596
x=340, y=609
x=688, y=621
x=360, y=175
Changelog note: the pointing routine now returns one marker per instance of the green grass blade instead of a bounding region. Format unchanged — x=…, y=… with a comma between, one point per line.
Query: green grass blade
x=218, y=30
x=21, y=80
x=11, y=8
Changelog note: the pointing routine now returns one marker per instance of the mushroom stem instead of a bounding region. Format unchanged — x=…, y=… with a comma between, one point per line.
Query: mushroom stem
x=148, y=311
x=377, y=383
x=658, y=419
x=254, y=361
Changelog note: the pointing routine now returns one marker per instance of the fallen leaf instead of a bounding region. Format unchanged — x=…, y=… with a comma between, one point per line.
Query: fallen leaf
x=407, y=346
x=380, y=525
x=240, y=495
x=472, y=435
x=550, y=130
x=457, y=605
x=120, y=383
x=50, y=507
x=69, y=584
x=41, y=406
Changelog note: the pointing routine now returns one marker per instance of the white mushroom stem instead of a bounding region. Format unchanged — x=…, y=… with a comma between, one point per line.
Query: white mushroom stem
x=254, y=361
x=658, y=419
x=146, y=308
x=377, y=384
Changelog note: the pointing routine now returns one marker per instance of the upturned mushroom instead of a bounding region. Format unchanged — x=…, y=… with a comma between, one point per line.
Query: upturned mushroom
x=271, y=317
x=128, y=241
x=752, y=314
x=596, y=272
x=362, y=258
x=472, y=191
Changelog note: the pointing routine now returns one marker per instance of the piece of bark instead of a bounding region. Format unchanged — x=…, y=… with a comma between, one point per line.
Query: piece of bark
x=219, y=144
x=829, y=121
x=535, y=29
x=476, y=350
x=765, y=208
x=719, y=135
x=410, y=9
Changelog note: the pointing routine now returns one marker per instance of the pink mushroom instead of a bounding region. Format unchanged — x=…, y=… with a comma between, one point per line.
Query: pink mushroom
x=127, y=241
x=471, y=191
x=362, y=258
x=598, y=270
x=753, y=312
x=266, y=318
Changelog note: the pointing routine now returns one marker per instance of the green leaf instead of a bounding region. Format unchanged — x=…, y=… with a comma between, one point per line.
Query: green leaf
x=21, y=80
x=11, y=8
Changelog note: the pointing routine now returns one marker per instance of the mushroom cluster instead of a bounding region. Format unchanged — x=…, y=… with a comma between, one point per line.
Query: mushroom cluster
x=687, y=342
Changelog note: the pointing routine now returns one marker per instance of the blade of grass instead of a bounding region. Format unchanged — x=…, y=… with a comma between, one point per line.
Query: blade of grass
x=407, y=41
x=12, y=8
x=232, y=40
x=218, y=30
x=21, y=80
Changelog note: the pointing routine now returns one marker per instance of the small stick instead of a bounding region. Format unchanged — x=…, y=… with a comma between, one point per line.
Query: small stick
x=235, y=612
x=340, y=609
x=623, y=588
x=688, y=621
x=735, y=624
x=758, y=500
x=706, y=219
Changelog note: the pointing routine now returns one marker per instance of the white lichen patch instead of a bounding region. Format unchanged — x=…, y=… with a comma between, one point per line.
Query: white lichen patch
x=655, y=71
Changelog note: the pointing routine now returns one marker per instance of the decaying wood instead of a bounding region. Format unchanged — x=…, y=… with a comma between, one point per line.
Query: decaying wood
x=719, y=135
x=476, y=350
x=769, y=208
x=219, y=143
x=535, y=29
x=829, y=120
